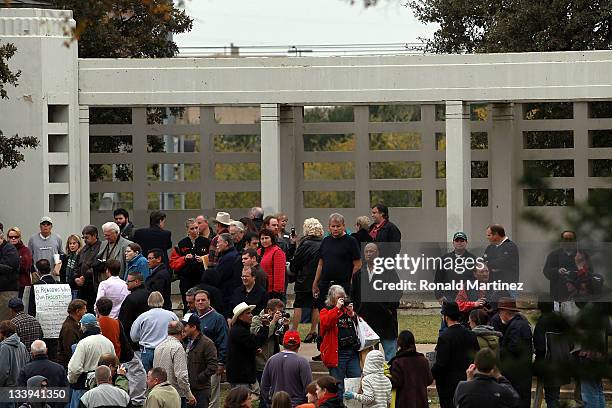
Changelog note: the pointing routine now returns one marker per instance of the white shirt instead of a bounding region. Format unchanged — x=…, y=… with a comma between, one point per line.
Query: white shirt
x=116, y=290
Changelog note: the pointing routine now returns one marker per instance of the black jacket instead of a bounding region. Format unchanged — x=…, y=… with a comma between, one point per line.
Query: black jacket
x=391, y=234
x=454, y=353
x=241, y=349
x=133, y=306
x=160, y=280
x=41, y=365
x=154, y=237
x=85, y=260
x=229, y=270
x=485, y=391
x=552, y=360
x=445, y=275
x=516, y=354
x=44, y=280
x=9, y=267
x=377, y=308
x=362, y=236
x=304, y=262
x=557, y=259
x=503, y=261
x=127, y=232
x=190, y=273
x=258, y=296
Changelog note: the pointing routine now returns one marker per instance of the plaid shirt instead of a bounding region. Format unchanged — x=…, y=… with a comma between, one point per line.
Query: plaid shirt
x=171, y=356
x=28, y=328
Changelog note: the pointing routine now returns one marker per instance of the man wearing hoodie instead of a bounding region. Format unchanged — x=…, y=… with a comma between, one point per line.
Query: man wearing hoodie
x=487, y=336
x=37, y=382
x=375, y=386
x=13, y=355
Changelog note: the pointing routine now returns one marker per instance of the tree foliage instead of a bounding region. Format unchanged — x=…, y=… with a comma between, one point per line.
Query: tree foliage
x=126, y=28
x=516, y=25
x=10, y=146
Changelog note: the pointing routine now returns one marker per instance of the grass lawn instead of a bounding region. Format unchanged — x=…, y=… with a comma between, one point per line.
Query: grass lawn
x=424, y=327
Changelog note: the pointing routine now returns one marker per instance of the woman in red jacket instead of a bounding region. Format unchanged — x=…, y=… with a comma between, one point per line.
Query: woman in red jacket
x=273, y=262
x=340, y=344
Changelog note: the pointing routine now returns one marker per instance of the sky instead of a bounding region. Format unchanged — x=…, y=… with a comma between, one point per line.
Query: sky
x=299, y=22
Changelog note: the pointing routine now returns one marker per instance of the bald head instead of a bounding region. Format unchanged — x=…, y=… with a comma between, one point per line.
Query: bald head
x=38, y=348
x=103, y=375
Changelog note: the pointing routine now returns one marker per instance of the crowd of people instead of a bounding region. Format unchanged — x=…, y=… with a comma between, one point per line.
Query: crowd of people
x=123, y=344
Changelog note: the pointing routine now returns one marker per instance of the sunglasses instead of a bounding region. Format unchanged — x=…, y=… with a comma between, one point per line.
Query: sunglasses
x=13, y=237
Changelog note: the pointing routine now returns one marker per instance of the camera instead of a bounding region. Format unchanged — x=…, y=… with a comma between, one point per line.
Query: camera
x=293, y=232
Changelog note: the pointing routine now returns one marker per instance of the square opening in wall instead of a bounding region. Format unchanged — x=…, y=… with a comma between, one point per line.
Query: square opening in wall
x=58, y=143
x=58, y=173
x=57, y=114
x=59, y=202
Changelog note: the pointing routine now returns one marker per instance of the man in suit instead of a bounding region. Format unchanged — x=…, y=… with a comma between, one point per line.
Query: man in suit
x=160, y=279
x=502, y=256
x=454, y=353
x=155, y=236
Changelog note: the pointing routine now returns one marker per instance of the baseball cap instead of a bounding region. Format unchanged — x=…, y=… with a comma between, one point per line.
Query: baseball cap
x=460, y=235
x=291, y=338
x=15, y=303
x=46, y=219
x=192, y=319
x=88, y=319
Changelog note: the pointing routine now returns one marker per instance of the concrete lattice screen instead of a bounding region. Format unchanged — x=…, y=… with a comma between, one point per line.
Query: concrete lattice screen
x=347, y=157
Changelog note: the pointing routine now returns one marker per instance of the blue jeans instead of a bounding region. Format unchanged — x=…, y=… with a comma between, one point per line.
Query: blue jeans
x=390, y=348
x=75, y=398
x=146, y=357
x=592, y=393
x=348, y=367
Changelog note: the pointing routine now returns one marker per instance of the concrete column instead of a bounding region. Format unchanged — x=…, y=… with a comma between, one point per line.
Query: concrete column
x=271, y=170
x=458, y=168
x=82, y=173
x=45, y=105
x=503, y=148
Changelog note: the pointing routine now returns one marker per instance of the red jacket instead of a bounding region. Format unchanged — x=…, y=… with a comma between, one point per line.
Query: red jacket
x=329, y=331
x=273, y=262
x=464, y=303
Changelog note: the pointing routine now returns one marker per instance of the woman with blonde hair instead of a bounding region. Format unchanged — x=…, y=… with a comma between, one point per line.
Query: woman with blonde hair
x=304, y=266
x=74, y=244
x=25, y=258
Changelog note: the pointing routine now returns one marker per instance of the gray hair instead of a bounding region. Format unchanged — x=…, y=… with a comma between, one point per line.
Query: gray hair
x=256, y=212
x=192, y=291
x=334, y=292
x=336, y=217
x=103, y=374
x=227, y=238
x=363, y=221
x=155, y=300
x=189, y=222
x=111, y=226
x=38, y=347
x=238, y=225
x=175, y=327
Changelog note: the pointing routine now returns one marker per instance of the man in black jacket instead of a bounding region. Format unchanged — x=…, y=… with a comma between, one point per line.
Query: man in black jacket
x=515, y=348
x=160, y=279
x=454, y=352
x=201, y=360
x=135, y=304
x=41, y=365
x=459, y=270
x=84, y=280
x=9, y=273
x=377, y=307
x=383, y=230
x=502, y=256
x=155, y=236
x=559, y=264
x=122, y=218
x=242, y=347
x=485, y=386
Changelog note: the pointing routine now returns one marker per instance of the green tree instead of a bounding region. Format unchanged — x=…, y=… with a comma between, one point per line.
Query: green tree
x=126, y=28
x=10, y=146
x=516, y=25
